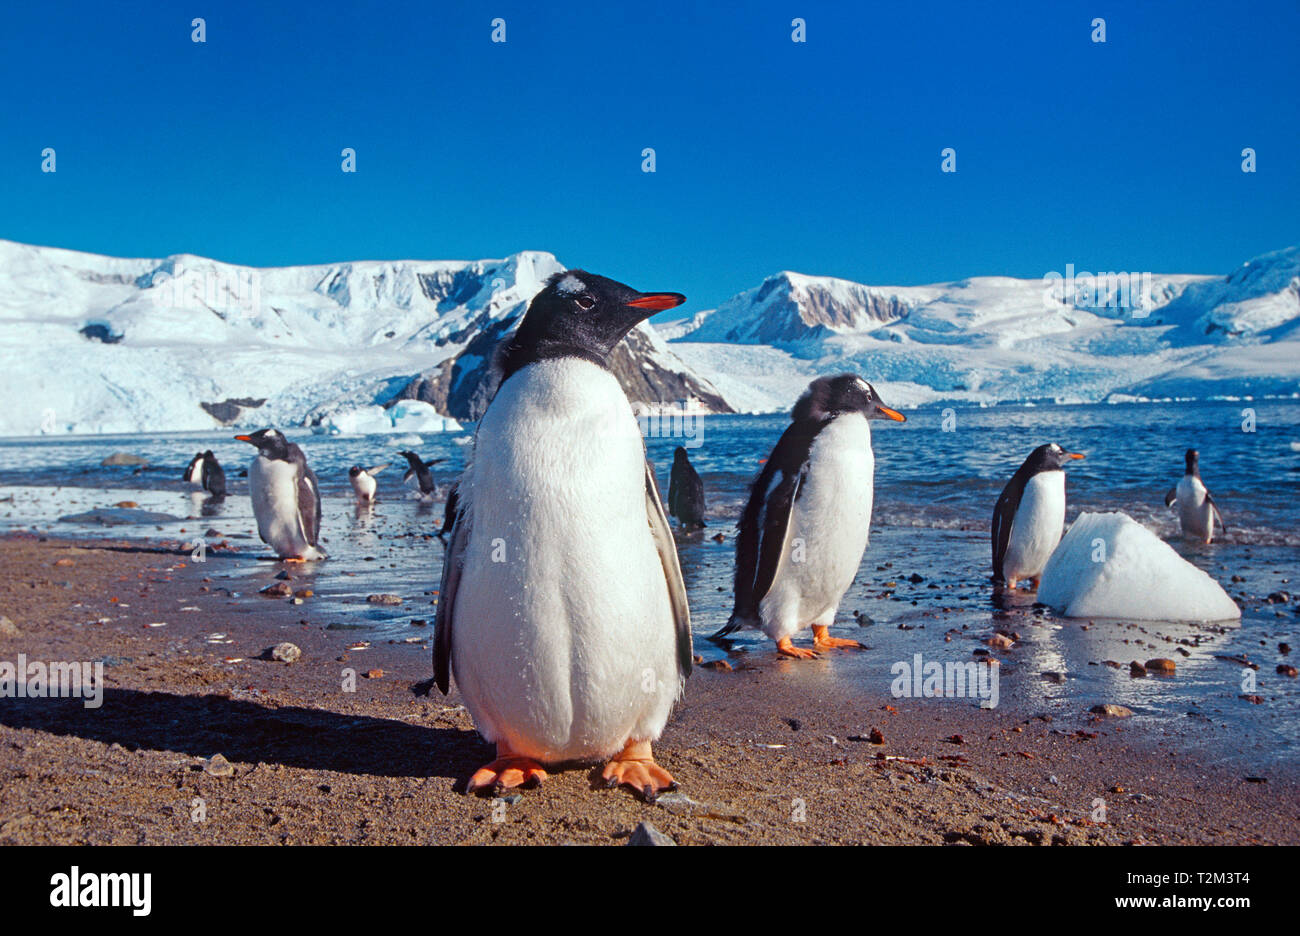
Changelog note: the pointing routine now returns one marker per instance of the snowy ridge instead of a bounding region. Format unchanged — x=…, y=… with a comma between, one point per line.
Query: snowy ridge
x=103, y=344
x=992, y=339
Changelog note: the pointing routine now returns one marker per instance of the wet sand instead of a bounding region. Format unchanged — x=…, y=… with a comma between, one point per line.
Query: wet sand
x=762, y=752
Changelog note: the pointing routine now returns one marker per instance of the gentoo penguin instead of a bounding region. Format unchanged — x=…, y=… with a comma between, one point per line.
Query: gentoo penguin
x=562, y=611
x=286, y=496
x=1029, y=516
x=194, y=470
x=363, y=480
x=1197, y=511
x=420, y=470
x=806, y=525
x=685, y=492
x=205, y=471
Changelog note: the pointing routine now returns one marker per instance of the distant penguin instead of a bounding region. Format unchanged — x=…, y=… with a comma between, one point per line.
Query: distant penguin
x=363, y=480
x=685, y=492
x=420, y=470
x=1197, y=511
x=451, y=509
x=205, y=471
x=562, y=612
x=808, y=519
x=1029, y=516
x=285, y=495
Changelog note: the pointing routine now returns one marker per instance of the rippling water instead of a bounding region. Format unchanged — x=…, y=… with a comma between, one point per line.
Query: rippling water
x=937, y=478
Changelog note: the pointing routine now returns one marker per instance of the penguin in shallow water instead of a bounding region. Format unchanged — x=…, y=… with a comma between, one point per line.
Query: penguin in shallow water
x=363, y=480
x=285, y=495
x=685, y=492
x=808, y=518
x=419, y=469
x=205, y=471
x=1029, y=516
x=1197, y=511
x=562, y=611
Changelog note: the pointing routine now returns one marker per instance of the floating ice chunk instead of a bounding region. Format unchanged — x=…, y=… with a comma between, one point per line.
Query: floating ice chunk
x=418, y=416
x=1110, y=566
x=361, y=420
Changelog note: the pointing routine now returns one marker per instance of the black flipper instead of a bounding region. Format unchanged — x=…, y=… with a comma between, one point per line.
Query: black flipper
x=1171, y=497
x=452, y=564
x=1215, y=507
x=765, y=522
x=663, y=537
x=1004, y=515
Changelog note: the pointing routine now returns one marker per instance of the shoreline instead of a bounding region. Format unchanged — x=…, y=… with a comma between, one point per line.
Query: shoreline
x=762, y=751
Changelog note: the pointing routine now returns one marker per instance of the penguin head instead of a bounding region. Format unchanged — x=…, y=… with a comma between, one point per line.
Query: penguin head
x=827, y=397
x=208, y=456
x=1050, y=457
x=680, y=457
x=1193, y=461
x=270, y=443
x=355, y=470
x=580, y=314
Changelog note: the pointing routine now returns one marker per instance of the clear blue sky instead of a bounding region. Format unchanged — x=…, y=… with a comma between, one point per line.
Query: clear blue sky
x=820, y=157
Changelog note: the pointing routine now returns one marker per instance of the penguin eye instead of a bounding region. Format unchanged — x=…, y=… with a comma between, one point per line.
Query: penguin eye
x=585, y=302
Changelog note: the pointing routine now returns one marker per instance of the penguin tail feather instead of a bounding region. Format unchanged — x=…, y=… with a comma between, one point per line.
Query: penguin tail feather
x=734, y=623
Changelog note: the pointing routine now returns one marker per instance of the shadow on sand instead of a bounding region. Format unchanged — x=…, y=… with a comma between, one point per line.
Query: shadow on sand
x=246, y=732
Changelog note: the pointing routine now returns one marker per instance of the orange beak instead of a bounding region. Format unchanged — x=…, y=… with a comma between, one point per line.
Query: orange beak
x=657, y=302
x=888, y=413
x=243, y=438
x=1076, y=455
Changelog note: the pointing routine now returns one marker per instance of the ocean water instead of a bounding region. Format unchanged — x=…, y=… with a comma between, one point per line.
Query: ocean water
x=923, y=586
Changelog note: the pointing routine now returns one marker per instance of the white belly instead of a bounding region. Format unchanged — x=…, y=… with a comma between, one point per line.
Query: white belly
x=1036, y=529
x=829, y=529
x=196, y=473
x=563, y=640
x=1194, y=510
x=364, y=486
x=273, y=487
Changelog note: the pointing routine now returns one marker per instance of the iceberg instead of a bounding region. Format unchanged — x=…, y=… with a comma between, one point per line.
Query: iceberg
x=1110, y=566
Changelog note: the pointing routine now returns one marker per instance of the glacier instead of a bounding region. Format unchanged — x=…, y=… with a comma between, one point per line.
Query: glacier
x=97, y=344
x=989, y=340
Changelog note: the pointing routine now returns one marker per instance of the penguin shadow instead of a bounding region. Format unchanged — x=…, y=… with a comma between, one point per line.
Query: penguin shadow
x=247, y=733
x=212, y=506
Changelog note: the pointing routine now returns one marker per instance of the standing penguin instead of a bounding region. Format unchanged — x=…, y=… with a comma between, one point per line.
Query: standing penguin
x=205, y=471
x=420, y=470
x=685, y=492
x=562, y=612
x=285, y=495
x=1196, y=508
x=808, y=519
x=363, y=480
x=1029, y=516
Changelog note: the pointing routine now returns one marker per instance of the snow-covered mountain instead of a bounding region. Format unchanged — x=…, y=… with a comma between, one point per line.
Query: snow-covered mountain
x=103, y=344
x=997, y=339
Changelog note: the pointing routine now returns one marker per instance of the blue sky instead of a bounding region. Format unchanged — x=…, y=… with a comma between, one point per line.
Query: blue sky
x=821, y=157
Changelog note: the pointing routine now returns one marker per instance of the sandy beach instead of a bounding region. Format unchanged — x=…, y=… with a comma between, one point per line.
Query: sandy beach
x=770, y=751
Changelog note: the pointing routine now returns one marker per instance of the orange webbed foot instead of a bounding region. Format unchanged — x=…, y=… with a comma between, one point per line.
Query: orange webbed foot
x=822, y=640
x=505, y=773
x=635, y=767
x=785, y=648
